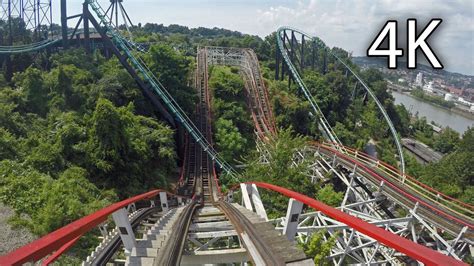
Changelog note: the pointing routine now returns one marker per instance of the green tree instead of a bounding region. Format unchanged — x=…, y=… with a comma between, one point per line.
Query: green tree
x=108, y=138
x=32, y=83
x=229, y=141
x=330, y=197
x=172, y=70
x=447, y=141
x=319, y=247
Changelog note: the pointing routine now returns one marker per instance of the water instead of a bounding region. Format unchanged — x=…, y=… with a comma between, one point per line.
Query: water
x=439, y=115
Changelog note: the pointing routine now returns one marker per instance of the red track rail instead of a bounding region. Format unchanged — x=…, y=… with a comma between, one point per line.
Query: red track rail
x=63, y=238
x=421, y=253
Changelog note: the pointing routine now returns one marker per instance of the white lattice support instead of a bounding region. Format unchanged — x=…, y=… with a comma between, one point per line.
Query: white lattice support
x=435, y=235
x=125, y=229
x=292, y=217
x=456, y=240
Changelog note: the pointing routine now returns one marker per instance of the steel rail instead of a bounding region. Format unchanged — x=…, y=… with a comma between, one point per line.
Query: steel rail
x=398, y=190
x=40, y=248
x=173, y=250
x=33, y=47
x=313, y=103
x=407, y=179
x=104, y=255
x=421, y=253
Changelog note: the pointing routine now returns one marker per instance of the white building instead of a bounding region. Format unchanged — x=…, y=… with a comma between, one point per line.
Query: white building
x=428, y=87
x=419, y=80
x=448, y=97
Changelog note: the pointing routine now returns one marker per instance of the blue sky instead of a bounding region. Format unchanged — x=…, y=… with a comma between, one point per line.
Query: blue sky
x=350, y=24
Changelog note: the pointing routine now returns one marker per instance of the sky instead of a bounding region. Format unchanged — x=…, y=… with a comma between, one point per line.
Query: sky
x=349, y=24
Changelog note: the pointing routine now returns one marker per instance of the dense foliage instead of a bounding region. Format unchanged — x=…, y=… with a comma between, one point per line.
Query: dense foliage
x=79, y=136
x=453, y=175
x=233, y=128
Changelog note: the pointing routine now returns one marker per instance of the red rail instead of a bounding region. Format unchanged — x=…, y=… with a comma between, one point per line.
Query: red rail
x=63, y=238
x=421, y=253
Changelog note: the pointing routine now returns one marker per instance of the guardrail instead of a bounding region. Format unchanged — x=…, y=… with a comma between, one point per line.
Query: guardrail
x=63, y=238
x=421, y=253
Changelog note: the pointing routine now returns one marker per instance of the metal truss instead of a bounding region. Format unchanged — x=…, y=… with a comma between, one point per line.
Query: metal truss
x=34, y=13
x=297, y=50
x=375, y=203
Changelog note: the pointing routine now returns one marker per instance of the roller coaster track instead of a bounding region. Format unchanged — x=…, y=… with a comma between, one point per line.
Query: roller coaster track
x=289, y=55
x=140, y=67
x=246, y=60
x=361, y=228
x=434, y=208
x=27, y=48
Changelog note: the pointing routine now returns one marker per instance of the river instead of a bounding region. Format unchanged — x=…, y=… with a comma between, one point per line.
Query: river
x=434, y=113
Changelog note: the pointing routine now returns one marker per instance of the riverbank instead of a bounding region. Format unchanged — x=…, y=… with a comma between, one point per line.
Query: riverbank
x=441, y=116
x=455, y=109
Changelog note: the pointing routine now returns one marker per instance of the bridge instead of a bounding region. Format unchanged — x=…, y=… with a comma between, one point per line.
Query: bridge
x=386, y=216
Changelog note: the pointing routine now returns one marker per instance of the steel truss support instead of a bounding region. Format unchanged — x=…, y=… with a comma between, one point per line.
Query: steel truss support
x=369, y=201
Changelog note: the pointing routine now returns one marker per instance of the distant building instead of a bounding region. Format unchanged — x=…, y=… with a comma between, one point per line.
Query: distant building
x=428, y=87
x=448, y=97
x=455, y=91
x=419, y=80
x=462, y=101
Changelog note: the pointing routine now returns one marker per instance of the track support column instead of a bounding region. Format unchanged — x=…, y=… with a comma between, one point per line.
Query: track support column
x=125, y=229
x=277, y=64
x=164, y=201
x=292, y=217
x=85, y=14
x=64, y=23
x=245, y=197
x=257, y=202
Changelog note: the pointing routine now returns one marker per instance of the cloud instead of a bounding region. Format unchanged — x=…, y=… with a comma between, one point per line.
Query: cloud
x=353, y=24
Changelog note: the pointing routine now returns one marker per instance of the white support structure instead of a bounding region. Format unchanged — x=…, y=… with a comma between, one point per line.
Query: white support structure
x=164, y=201
x=125, y=229
x=292, y=218
x=373, y=201
x=257, y=203
x=245, y=196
